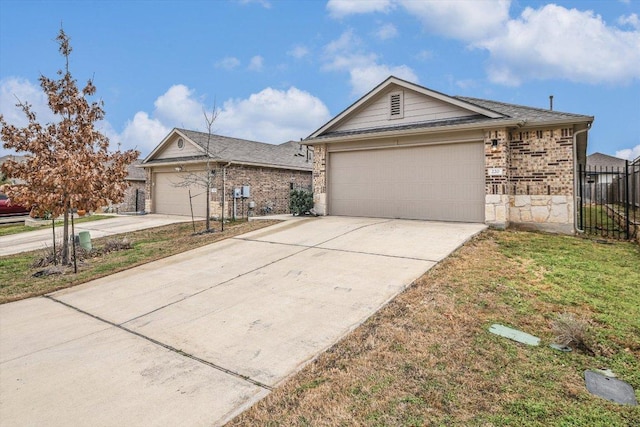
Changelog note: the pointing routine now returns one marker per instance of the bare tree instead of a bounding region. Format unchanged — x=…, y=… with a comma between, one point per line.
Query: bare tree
x=68, y=164
x=205, y=180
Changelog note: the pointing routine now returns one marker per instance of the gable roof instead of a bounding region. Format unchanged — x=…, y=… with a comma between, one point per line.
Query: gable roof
x=604, y=160
x=288, y=155
x=483, y=113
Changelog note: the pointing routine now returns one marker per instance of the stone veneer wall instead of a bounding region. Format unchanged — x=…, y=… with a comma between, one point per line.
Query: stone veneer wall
x=320, y=179
x=129, y=202
x=535, y=190
x=147, y=190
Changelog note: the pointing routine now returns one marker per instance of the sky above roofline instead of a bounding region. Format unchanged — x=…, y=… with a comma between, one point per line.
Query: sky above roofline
x=278, y=70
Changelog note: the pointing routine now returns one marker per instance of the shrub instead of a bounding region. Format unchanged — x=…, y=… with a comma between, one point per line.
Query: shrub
x=572, y=332
x=300, y=201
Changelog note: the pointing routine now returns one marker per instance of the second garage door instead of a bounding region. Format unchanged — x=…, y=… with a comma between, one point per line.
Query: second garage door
x=435, y=182
x=173, y=199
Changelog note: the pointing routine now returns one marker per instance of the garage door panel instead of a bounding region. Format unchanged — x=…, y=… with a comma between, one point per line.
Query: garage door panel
x=441, y=182
x=172, y=197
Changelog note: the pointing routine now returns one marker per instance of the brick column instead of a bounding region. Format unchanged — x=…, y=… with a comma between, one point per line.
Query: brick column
x=496, y=149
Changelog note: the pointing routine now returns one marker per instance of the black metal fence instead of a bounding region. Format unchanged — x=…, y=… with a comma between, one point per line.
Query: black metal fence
x=610, y=201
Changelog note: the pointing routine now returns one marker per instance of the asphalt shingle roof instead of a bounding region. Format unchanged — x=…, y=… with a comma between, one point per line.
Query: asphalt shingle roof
x=528, y=114
x=227, y=149
x=509, y=112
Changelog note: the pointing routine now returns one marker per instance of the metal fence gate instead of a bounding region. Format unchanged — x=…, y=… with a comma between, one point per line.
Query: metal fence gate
x=610, y=201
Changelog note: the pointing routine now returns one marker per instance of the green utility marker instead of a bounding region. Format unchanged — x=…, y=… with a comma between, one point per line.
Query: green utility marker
x=514, y=334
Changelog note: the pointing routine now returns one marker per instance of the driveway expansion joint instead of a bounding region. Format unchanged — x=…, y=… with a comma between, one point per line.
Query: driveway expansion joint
x=165, y=346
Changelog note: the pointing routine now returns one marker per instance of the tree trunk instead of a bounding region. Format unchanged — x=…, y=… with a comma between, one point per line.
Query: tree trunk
x=65, y=239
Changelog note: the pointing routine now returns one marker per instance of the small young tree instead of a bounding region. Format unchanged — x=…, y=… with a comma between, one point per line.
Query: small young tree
x=205, y=180
x=68, y=165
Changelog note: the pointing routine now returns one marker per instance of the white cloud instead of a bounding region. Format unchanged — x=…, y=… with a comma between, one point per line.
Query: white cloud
x=179, y=107
x=342, y=8
x=17, y=89
x=631, y=20
x=551, y=42
x=272, y=116
x=143, y=133
x=424, y=55
x=228, y=63
x=387, y=31
x=363, y=79
x=554, y=42
x=346, y=53
x=629, y=153
x=256, y=63
x=464, y=20
x=298, y=52
x=264, y=3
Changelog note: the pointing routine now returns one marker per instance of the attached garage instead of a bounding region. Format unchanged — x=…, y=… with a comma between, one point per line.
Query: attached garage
x=172, y=197
x=442, y=182
x=406, y=151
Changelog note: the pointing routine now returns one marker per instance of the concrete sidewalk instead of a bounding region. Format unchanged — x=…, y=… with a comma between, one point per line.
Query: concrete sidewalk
x=196, y=338
x=41, y=238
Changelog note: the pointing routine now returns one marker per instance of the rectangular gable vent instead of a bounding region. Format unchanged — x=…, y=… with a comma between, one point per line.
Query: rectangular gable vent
x=396, y=105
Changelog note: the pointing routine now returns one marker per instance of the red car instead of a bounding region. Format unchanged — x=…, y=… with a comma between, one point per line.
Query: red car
x=8, y=209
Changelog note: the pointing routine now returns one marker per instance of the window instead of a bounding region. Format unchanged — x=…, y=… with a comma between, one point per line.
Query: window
x=396, y=105
x=180, y=143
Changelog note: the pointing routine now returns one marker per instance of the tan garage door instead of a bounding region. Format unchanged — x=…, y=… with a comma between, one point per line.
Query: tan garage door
x=435, y=182
x=172, y=199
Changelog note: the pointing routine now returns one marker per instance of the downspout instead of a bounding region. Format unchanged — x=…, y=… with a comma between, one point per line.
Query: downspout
x=576, y=190
x=224, y=192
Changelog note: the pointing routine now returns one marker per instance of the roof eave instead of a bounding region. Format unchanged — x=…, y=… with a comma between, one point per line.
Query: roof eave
x=178, y=162
x=500, y=123
x=566, y=121
x=409, y=132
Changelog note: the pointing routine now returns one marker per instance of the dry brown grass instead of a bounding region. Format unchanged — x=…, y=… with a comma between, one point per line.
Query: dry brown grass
x=427, y=358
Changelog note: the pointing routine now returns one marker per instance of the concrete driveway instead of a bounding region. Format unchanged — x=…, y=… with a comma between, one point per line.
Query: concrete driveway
x=197, y=338
x=41, y=238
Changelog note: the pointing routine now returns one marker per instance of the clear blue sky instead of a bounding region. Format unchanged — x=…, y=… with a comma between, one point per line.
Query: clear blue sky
x=277, y=70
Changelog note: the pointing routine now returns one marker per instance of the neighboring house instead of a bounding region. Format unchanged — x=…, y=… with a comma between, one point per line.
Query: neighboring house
x=267, y=172
x=405, y=151
x=602, y=168
x=603, y=179
x=134, y=195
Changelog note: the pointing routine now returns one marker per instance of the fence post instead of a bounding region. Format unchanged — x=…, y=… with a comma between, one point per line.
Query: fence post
x=627, y=200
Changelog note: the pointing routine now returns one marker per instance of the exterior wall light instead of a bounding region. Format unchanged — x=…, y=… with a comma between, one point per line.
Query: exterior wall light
x=494, y=145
